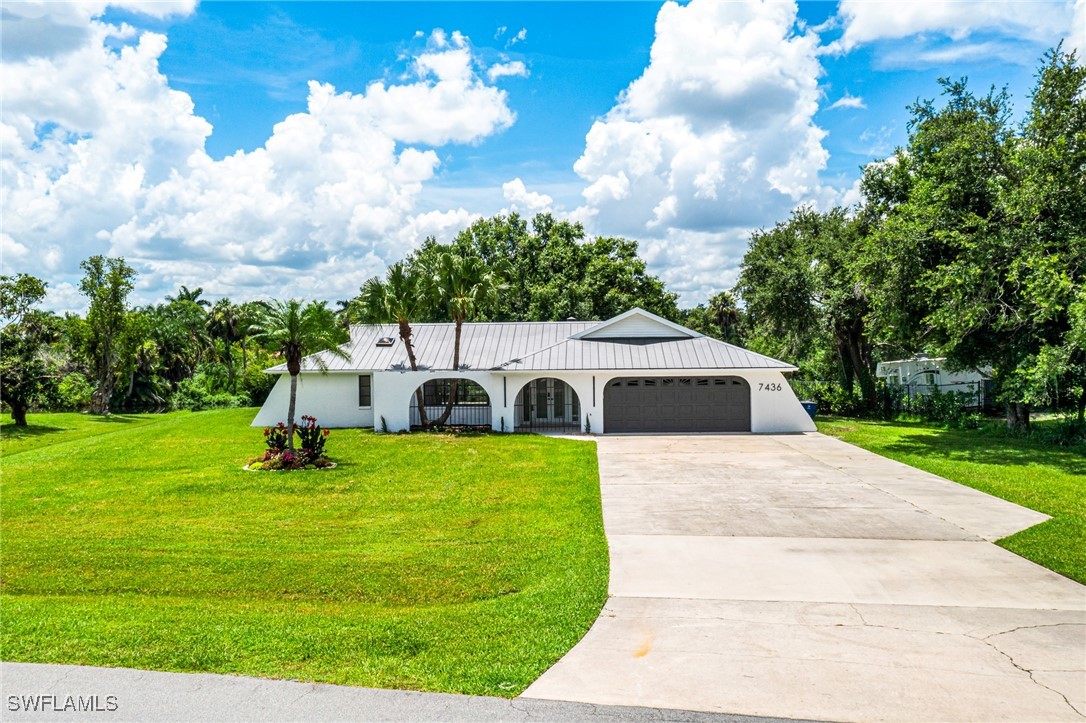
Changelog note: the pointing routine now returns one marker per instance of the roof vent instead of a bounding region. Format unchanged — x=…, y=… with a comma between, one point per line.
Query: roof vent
x=385, y=341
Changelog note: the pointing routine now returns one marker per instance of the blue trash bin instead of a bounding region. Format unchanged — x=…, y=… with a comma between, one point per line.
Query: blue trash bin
x=810, y=407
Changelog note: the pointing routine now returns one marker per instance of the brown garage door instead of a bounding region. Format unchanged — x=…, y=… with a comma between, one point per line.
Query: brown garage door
x=677, y=404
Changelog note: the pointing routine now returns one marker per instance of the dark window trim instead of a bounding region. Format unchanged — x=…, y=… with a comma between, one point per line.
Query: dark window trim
x=435, y=393
x=365, y=391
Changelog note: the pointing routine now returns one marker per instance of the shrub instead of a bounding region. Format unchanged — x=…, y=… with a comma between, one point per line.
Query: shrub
x=252, y=382
x=949, y=408
x=309, y=454
x=196, y=394
x=74, y=392
x=1061, y=432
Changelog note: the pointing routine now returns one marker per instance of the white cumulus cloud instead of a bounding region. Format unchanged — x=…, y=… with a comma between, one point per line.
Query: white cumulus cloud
x=525, y=202
x=1045, y=21
x=848, y=101
x=100, y=155
x=520, y=36
x=715, y=137
x=514, y=68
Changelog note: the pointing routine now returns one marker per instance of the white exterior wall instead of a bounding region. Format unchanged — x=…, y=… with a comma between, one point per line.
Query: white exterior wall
x=392, y=392
x=774, y=408
x=333, y=397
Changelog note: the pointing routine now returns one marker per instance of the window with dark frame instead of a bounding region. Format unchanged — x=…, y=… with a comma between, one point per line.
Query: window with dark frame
x=365, y=390
x=436, y=393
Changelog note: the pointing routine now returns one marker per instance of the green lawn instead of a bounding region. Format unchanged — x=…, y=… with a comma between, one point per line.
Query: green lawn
x=1030, y=473
x=430, y=562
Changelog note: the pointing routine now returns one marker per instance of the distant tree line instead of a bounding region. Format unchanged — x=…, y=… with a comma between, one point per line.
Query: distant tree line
x=182, y=354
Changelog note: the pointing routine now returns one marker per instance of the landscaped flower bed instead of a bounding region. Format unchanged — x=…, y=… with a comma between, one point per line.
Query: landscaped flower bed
x=307, y=454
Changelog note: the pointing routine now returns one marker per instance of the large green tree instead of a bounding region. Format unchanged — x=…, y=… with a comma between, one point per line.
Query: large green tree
x=1047, y=208
x=804, y=300
x=106, y=283
x=24, y=338
x=296, y=330
x=554, y=272
x=979, y=247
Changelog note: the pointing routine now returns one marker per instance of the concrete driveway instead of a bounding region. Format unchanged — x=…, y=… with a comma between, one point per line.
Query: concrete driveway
x=802, y=577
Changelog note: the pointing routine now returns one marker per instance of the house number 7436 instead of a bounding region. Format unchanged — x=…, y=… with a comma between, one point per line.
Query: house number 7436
x=769, y=386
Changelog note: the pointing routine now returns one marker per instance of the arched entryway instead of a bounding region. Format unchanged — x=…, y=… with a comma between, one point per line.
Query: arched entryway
x=547, y=404
x=470, y=404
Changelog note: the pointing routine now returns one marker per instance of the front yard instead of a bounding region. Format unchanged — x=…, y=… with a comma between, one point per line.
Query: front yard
x=1027, y=472
x=429, y=562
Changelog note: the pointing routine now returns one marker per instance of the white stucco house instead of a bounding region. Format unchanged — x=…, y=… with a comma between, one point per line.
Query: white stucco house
x=636, y=372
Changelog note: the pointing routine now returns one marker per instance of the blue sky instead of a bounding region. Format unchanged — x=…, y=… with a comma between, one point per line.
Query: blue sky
x=189, y=138
x=246, y=66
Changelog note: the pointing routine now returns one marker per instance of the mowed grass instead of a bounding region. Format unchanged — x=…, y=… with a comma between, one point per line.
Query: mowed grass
x=430, y=562
x=1030, y=473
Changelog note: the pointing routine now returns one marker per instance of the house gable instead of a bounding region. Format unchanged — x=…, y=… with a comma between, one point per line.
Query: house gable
x=636, y=324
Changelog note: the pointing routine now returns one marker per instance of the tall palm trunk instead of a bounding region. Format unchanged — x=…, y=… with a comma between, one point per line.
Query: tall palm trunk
x=420, y=402
x=290, y=411
x=456, y=368
x=294, y=366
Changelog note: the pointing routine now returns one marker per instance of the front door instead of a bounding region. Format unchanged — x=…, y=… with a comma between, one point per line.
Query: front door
x=550, y=402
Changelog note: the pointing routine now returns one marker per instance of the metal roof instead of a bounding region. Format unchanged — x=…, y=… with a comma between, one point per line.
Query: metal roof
x=532, y=346
x=482, y=345
x=700, y=352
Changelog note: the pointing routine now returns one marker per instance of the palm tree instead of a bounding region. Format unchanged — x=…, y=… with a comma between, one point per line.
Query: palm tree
x=224, y=322
x=184, y=294
x=466, y=285
x=248, y=313
x=723, y=311
x=297, y=331
x=404, y=295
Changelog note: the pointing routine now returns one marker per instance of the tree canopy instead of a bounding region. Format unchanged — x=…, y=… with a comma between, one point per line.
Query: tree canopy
x=553, y=272
x=979, y=246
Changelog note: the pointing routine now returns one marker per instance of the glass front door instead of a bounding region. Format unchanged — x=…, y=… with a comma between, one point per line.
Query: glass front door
x=552, y=402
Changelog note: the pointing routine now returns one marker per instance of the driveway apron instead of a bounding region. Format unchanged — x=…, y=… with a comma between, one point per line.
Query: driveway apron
x=801, y=577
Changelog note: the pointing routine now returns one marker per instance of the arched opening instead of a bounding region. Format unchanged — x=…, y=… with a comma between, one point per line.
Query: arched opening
x=470, y=404
x=547, y=404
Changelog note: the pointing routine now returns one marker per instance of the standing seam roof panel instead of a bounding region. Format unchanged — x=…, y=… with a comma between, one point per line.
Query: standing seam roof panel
x=538, y=346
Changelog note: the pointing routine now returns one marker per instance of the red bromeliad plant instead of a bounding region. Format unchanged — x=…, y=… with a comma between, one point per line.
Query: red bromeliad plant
x=277, y=438
x=280, y=454
x=312, y=438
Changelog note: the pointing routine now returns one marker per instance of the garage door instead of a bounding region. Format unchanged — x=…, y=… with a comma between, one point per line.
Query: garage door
x=677, y=404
